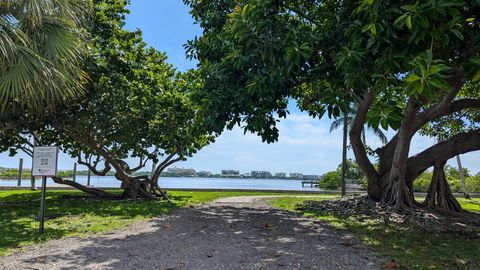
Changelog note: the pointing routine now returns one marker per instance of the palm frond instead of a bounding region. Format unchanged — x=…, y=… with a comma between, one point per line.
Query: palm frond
x=41, y=48
x=336, y=124
x=379, y=133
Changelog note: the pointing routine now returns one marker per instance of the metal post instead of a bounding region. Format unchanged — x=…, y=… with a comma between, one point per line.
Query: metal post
x=20, y=171
x=42, y=204
x=74, y=177
x=88, y=178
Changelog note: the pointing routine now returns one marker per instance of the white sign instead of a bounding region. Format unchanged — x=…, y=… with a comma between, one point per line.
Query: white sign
x=45, y=161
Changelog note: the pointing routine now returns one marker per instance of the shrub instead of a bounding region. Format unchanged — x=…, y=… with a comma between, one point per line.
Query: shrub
x=331, y=180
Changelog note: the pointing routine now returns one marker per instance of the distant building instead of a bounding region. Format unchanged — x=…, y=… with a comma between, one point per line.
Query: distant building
x=247, y=174
x=281, y=175
x=230, y=173
x=261, y=174
x=204, y=174
x=296, y=175
x=181, y=172
x=311, y=177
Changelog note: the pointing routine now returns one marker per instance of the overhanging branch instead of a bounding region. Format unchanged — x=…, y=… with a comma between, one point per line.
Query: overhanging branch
x=440, y=152
x=356, y=140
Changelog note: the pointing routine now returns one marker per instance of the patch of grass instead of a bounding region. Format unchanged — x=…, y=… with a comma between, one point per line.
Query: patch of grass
x=81, y=215
x=472, y=205
x=409, y=247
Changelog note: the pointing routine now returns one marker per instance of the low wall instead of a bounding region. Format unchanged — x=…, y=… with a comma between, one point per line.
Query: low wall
x=333, y=192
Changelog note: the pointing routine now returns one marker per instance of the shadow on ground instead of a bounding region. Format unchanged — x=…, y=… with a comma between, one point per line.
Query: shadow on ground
x=216, y=237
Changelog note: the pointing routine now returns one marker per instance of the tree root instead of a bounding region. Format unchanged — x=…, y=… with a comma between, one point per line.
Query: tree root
x=439, y=196
x=362, y=208
x=92, y=191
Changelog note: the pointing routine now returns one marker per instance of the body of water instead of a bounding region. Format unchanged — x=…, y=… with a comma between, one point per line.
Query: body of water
x=187, y=182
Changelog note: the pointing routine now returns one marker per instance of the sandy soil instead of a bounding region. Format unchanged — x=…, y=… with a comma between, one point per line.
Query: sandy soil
x=230, y=233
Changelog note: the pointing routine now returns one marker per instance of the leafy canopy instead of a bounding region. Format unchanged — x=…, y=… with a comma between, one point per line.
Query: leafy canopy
x=325, y=54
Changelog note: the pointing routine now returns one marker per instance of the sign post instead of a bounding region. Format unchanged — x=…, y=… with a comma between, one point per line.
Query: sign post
x=45, y=159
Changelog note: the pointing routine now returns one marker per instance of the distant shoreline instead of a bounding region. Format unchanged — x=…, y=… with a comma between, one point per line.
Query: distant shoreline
x=15, y=178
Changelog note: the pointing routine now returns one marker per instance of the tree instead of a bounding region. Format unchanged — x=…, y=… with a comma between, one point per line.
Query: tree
x=353, y=171
x=331, y=180
x=404, y=63
x=136, y=106
x=41, y=50
x=347, y=120
x=445, y=127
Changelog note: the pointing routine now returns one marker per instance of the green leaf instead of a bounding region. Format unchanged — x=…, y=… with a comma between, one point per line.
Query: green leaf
x=410, y=8
x=438, y=83
x=373, y=30
x=408, y=22
x=476, y=77
x=457, y=33
x=412, y=78
x=384, y=123
x=399, y=21
x=429, y=55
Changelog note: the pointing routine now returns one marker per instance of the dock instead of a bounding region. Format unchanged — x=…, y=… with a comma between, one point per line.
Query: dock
x=312, y=183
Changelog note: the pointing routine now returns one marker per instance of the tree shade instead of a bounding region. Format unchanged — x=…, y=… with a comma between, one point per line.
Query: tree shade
x=406, y=64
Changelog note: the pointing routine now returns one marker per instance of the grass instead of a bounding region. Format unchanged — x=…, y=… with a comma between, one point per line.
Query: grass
x=79, y=215
x=409, y=247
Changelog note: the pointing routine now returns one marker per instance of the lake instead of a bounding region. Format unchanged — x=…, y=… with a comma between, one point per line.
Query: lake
x=187, y=182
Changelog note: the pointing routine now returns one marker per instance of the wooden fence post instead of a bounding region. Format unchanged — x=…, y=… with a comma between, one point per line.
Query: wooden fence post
x=74, y=176
x=88, y=178
x=20, y=172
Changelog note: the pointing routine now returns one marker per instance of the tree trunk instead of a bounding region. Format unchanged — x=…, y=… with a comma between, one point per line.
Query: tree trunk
x=373, y=179
x=439, y=195
x=398, y=193
x=462, y=178
x=140, y=187
x=344, y=152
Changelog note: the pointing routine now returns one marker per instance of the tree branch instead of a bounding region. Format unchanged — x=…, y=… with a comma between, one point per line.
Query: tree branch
x=141, y=164
x=356, y=140
x=93, y=168
x=459, y=144
x=444, y=110
x=7, y=127
x=88, y=190
x=167, y=162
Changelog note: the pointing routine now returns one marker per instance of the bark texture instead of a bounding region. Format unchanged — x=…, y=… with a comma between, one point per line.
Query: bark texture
x=439, y=195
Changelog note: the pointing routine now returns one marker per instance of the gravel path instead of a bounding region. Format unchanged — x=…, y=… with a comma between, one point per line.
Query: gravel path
x=230, y=233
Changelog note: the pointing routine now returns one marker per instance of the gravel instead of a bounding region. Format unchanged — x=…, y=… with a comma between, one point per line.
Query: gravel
x=231, y=233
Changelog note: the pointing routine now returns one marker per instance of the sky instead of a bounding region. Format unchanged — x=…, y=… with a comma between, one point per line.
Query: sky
x=305, y=144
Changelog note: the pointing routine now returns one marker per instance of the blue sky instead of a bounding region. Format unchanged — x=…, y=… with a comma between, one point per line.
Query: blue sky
x=305, y=144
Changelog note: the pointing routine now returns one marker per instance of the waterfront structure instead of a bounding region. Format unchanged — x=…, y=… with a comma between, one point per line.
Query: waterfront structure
x=281, y=175
x=296, y=175
x=228, y=173
x=183, y=172
x=204, y=174
x=261, y=174
x=311, y=177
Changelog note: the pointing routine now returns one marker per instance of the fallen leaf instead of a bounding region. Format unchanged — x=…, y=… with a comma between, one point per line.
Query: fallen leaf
x=391, y=264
